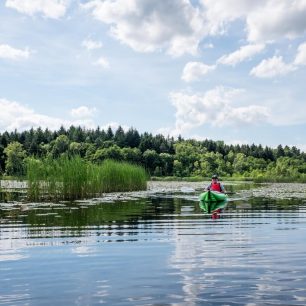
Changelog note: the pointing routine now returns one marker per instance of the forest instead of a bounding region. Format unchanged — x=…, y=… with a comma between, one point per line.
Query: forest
x=161, y=156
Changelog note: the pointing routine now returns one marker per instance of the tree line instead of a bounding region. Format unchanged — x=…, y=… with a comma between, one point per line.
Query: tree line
x=160, y=155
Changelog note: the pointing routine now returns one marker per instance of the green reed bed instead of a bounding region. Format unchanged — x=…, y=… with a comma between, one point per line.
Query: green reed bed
x=73, y=178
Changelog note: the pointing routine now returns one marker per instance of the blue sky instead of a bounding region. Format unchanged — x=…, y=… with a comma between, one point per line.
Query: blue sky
x=224, y=70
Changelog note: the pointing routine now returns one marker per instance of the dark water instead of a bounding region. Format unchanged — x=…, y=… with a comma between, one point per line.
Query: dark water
x=161, y=250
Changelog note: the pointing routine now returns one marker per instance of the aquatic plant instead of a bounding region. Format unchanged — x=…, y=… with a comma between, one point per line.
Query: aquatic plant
x=73, y=178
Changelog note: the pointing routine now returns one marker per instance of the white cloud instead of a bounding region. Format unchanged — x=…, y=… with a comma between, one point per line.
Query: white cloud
x=114, y=126
x=265, y=20
x=92, y=44
x=83, y=112
x=220, y=13
x=13, y=115
x=179, y=26
x=300, y=58
x=194, y=70
x=246, y=115
x=213, y=107
x=208, y=46
x=302, y=147
x=277, y=19
x=244, y=53
x=272, y=67
x=236, y=142
x=146, y=26
x=16, y=116
x=102, y=62
x=48, y=8
x=11, y=53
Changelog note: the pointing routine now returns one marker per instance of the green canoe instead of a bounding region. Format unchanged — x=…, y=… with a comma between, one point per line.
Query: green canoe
x=212, y=200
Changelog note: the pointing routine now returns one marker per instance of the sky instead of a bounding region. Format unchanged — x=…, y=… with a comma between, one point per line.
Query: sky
x=231, y=70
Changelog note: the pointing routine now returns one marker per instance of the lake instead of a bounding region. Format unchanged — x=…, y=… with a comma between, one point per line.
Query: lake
x=156, y=248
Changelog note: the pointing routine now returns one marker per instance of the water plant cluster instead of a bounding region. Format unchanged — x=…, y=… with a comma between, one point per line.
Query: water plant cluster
x=74, y=178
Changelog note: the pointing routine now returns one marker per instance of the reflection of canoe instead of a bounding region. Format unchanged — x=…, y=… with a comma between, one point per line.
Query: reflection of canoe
x=210, y=207
x=212, y=200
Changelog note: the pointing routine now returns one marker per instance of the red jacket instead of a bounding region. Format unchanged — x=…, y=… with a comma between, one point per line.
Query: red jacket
x=216, y=187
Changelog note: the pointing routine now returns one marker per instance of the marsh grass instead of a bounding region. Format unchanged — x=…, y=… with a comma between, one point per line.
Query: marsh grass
x=73, y=178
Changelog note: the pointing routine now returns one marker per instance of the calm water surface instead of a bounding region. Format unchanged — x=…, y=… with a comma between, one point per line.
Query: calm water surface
x=158, y=250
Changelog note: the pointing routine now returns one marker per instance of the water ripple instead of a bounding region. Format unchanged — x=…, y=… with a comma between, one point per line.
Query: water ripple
x=161, y=250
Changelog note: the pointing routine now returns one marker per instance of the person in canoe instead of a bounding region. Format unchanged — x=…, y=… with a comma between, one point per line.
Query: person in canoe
x=215, y=184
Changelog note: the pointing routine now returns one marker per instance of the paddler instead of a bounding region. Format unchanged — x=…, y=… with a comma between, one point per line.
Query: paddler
x=215, y=185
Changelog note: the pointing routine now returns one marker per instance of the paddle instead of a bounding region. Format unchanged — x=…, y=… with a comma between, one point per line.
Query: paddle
x=190, y=189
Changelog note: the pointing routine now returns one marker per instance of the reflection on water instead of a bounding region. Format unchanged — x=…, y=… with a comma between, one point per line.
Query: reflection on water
x=158, y=250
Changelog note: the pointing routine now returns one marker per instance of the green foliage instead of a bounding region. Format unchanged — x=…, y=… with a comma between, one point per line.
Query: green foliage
x=166, y=163
x=112, y=152
x=150, y=160
x=14, y=164
x=60, y=146
x=132, y=155
x=120, y=137
x=161, y=156
x=187, y=153
x=75, y=148
x=2, y=164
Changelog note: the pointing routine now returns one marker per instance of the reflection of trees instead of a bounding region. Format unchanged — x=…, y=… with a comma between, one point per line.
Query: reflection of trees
x=161, y=205
x=104, y=220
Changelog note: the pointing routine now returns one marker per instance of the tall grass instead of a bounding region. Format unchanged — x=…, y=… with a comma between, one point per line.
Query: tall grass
x=73, y=178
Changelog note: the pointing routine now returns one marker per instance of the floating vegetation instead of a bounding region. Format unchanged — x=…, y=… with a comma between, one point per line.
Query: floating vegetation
x=73, y=178
x=281, y=191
